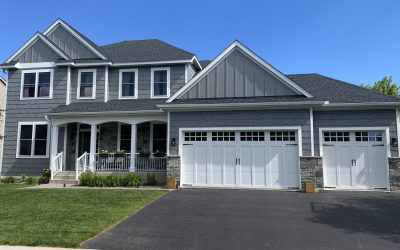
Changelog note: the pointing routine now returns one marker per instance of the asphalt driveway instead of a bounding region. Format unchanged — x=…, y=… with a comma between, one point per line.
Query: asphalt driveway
x=248, y=219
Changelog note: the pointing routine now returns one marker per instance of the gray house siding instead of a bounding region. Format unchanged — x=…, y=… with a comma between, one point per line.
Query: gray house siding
x=177, y=74
x=355, y=118
x=38, y=52
x=26, y=111
x=262, y=118
x=237, y=76
x=69, y=44
x=100, y=83
x=191, y=71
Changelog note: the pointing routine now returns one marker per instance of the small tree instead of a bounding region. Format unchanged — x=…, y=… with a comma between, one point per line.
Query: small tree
x=384, y=86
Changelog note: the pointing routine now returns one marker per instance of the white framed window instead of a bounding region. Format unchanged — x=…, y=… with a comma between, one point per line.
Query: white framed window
x=124, y=137
x=86, y=84
x=37, y=84
x=160, y=82
x=128, y=83
x=32, y=140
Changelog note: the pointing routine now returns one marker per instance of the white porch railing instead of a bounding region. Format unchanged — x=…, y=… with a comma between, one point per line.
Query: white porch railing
x=82, y=164
x=150, y=163
x=111, y=162
x=57, y=164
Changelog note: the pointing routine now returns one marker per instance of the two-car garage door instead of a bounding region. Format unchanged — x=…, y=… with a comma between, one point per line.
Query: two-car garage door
x=232, y=158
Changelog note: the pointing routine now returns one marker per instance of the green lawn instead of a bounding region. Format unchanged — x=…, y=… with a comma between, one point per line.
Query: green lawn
x=64, y=217
x=13, y=185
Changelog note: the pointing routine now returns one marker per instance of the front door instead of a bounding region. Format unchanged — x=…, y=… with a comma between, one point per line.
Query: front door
x=84, y=142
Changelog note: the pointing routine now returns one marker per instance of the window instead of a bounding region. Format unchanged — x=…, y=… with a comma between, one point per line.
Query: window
x=125, y=137
x=128, y=83
x=223, y=136
x=282, y=136
x=337, y=136
x=86, y=84
x=37, y=84
x=252, y=136
x=368, y=136
x=195, y=136
x=160, y=80
x=160, y=137
x=32, y=139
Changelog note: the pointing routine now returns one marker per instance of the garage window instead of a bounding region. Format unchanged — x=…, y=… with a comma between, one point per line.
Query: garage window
x=195, y=136
x=223, y=136
x=336, y=136
x=368, y=136
x=252, y=136
x=282, y=136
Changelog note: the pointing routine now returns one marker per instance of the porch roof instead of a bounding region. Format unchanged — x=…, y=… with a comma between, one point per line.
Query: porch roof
x=136, y=105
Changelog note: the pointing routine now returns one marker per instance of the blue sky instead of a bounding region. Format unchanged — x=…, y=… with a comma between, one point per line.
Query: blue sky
x=355, y=41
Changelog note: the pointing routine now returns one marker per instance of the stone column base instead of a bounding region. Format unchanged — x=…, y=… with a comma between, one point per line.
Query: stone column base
x=394, y=173
x=174, y=167
x=311, y=168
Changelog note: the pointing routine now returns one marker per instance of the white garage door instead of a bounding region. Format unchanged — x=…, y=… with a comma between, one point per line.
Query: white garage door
x=264, y=159
x=355, y=159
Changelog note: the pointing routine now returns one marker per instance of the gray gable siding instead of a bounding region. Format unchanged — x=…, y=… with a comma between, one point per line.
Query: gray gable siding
x=25, y=111
x=237, y=76
x=177, y=74
x=191, y=71
x=69, y=44
x=262, y=118
x=355, y=118
x=39, y=51
x=100, y=83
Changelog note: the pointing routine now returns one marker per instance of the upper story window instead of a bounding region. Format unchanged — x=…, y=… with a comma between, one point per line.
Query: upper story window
x=37, y=84
x=160, y=82
x=32, y=139
x=86, y=84
x=128, y=83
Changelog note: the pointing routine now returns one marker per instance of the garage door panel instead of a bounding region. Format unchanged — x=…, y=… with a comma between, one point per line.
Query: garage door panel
x=330, y=166
x=378, y=168
x=360, y=154
x=290, y=166
x=230, y=165
x=217, y=164
x=275, y=164
x=189, y=151
x=201, y=164
x=343, y=155
x=259, y=163
x=246, y=165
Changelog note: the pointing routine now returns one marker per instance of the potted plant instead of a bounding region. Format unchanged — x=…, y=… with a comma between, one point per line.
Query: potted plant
x=159, y=153
x=119, y=153
x=309, y=186
x=171, y=183
x=144, y=153
x=103, y=153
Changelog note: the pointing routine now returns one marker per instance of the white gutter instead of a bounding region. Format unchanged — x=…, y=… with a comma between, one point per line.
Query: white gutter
x=105, y=113
x=362, y=104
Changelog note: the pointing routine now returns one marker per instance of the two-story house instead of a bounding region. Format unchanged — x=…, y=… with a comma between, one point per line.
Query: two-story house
x=235, y=121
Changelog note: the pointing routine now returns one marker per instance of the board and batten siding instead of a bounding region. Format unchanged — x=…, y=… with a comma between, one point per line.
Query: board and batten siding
x=177, y=74
x=27, y=111
x=190, y=72
x=237, y=75
x=355, y=118
x=69, y=44
x=100, y=84
x=38, y=52
x=242, y=118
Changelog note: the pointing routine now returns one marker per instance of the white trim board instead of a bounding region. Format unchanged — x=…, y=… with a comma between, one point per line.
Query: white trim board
x=168, y=69
x=78, y=90
x=75, y=34
x=17, y=155
x=136, y=83
x=251, y=54
x=36, y=72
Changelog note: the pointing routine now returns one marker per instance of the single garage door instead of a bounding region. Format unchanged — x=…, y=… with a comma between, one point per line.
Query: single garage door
x=355, y=159
x=255, y=159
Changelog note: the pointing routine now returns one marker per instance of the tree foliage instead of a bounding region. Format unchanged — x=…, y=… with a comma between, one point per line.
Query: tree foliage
x=385, y=86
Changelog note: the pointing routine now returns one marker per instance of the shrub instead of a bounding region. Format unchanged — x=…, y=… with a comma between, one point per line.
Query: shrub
x=95, y=180
x=46, y=175
x=8, y=179
x=31, y=180
x=23, y=178
x=41, y=180
x=133, y=180
x=151, y=180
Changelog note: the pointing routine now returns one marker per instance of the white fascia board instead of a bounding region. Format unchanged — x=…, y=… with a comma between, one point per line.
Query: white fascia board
x=76, y=35
x=259, y=60
x=196, y=61
x=229, y=106
x=34, y=65
x=92, y=64
x=147, y=112
x=362, y=104
x=31, y=41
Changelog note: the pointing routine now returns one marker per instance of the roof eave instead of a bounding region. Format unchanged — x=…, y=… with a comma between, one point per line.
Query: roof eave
x=97, y=113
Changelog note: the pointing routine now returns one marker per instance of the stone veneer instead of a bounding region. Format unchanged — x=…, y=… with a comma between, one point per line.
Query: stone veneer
x=394, y=173
x=174, y=167
x=311, y=168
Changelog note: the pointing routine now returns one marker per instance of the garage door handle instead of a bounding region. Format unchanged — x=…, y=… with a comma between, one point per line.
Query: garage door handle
x=237, y=161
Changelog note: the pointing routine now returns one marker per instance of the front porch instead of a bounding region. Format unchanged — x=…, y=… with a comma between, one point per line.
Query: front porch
x=113, y=146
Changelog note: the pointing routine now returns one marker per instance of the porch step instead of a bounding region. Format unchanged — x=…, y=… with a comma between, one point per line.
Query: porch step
x=67, y=177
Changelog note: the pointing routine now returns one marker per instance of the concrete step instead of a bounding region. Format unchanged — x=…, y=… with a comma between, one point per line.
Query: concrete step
x=66, y=173
x=63, y=181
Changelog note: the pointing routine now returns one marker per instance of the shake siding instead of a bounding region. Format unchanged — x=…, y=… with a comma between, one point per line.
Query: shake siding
x=355, y=118
x=25, y=111
x=177, y=74
x=254, y=118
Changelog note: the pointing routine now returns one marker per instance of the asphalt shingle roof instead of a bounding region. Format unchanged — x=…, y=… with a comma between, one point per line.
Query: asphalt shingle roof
x=144, y=51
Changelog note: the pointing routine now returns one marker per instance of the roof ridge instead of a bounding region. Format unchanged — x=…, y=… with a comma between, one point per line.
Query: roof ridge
x=358, y=87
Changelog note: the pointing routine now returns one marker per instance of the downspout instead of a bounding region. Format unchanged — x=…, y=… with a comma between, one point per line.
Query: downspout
x=312, y=131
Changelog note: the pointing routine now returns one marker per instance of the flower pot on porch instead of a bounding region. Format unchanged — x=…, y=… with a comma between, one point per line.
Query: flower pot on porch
x=171, y=184
x=309, y=187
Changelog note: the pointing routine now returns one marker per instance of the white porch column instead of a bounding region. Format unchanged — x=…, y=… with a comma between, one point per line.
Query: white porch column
x=133, y=147
x=93, y=135
x=53, y=145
